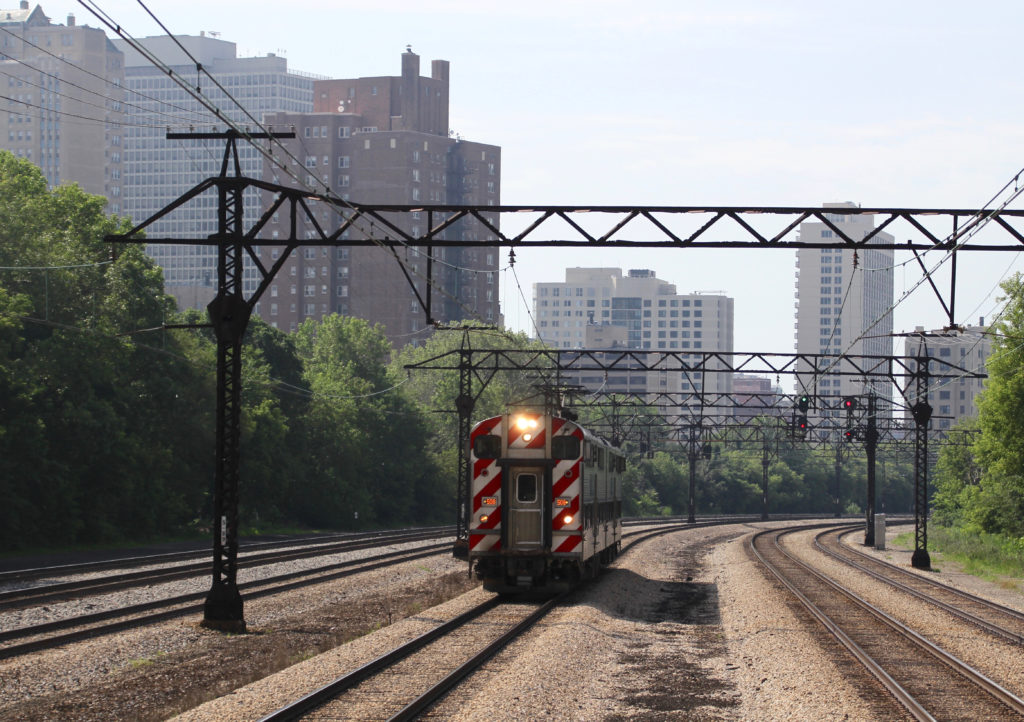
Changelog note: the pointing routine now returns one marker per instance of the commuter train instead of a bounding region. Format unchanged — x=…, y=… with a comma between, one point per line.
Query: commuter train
x=545, y=503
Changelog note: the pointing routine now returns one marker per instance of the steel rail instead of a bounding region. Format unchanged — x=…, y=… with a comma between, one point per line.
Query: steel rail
x=961, y=595
x=1010, y=701
x=329, y=691
x=428, y=698
x=321, y=696
x=24, y=597
x=256, y=588
x=70, y=569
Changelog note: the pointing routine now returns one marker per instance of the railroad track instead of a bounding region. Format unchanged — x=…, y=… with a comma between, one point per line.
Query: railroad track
x=341, y=700
x=23, y=640
x=173, y=567
x=15, y=642
x=996, y=619
x=927, y=681
x=18, y=573
x=407, y=680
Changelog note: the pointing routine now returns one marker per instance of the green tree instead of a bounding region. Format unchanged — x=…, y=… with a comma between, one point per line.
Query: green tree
x=84, y=389
x=365, y=440
x=955, y=478
x=997, y=505
x=434, y=392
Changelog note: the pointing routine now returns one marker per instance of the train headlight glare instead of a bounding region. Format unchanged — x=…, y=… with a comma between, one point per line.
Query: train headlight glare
x=525, y=422
x=567, y=519
x=484, y=518
x=527, y=437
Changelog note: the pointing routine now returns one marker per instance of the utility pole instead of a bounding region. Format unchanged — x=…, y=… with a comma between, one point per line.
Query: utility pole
x=229, y=314
x=839, y=473
x=694, y=437
x=922, y=412
x=870, y=447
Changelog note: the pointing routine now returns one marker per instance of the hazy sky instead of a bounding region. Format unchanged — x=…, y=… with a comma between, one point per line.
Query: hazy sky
x=893, y=104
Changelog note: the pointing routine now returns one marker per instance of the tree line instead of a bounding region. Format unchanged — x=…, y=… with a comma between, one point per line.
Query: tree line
x=980, y=488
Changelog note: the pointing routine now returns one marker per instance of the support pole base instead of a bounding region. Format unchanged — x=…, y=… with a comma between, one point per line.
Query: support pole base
x=460, y=550
x=921, y=559
x=222, y=610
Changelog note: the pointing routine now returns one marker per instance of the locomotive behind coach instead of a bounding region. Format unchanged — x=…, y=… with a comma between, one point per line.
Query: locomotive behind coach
x=545, y=501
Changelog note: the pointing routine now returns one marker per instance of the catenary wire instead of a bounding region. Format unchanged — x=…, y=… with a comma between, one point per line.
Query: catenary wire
x=99, y=77
x=330, y=198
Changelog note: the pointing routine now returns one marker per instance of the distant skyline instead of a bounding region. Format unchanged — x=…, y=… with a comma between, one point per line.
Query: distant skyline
x=912, y=104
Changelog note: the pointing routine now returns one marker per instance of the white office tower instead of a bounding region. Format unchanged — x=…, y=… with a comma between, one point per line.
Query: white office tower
x=599, y=308
x=843, y=303
x=157, y=171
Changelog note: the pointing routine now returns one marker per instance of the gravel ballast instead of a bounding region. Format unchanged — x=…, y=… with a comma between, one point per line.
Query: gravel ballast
x=684, y=626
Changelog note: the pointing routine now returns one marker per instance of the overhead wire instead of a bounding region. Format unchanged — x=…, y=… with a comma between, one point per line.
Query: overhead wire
x=106, y=80
x=101, y=121
x=64, y=81
x=329, y=197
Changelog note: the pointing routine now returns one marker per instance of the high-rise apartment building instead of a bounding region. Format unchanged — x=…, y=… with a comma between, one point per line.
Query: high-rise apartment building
x=952, y=397
x=157, y=171
x=65, y=101
x=843, y=302
x=385, y=141
x=651, y=315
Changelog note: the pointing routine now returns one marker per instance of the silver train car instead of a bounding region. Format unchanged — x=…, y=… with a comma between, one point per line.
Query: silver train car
x=545, y=503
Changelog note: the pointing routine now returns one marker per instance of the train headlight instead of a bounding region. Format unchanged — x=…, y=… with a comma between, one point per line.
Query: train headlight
x=525, y=422
x=567, y=519
x=484, y=518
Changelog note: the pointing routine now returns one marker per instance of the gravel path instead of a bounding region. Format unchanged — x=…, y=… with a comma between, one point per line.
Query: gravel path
x=685, y=626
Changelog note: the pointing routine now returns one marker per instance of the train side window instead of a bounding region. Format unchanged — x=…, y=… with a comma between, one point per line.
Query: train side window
x=487, y=446
x=526, y=487
x=565, y=447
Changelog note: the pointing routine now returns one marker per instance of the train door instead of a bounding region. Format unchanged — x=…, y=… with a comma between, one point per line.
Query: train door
x=526, y=510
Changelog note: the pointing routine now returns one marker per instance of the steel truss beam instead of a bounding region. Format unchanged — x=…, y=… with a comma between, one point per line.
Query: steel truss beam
x=655, y=226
